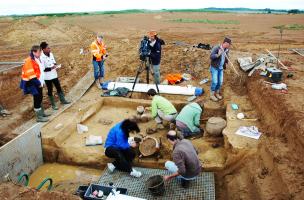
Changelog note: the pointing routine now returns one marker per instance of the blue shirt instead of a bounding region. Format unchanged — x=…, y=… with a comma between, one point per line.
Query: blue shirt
x=116, y=138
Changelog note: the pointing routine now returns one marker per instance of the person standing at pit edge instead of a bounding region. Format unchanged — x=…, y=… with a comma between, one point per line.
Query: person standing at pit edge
x=98, y=50
x=219, y=60
x=155, y=56
x=32, y=80
x=50, y=75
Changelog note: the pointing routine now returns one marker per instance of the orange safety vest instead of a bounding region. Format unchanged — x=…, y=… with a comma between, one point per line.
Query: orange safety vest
x=30, y=70
x=174, y=78
x=98, y=50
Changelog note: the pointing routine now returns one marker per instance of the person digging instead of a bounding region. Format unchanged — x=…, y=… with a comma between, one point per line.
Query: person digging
x=185, y=165
x=188, y=119
x=161, y=109
x=118, y=147
x=218, y=63
x=50, y=75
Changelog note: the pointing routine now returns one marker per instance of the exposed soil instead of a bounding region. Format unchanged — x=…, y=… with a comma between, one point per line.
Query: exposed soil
x=10, y=191
x=274, y=171
x=66, y=145
x=17, y=36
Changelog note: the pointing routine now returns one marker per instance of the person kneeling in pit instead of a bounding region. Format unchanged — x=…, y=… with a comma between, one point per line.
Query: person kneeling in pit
x=118, y=147
x=188, y=120
x=186, y=165
x=162, y=109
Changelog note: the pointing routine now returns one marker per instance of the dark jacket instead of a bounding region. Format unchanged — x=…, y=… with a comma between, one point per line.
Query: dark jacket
x=215, y=59
x=156, y=52
x=186, y=159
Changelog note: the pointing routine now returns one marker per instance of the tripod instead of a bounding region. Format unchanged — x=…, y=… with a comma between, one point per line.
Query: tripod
x=144, y=65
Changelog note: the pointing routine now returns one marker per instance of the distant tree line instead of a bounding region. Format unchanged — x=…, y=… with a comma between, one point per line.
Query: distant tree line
x=295, y=11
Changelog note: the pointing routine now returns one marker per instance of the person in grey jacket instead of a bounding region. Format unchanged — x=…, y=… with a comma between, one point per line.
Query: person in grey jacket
x=186, y=165
x=218, y=63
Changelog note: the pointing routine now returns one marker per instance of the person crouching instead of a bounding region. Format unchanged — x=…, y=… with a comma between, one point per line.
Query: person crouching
x=188, y=119
x=186, y=165
x=162, y=109
x=118, y=147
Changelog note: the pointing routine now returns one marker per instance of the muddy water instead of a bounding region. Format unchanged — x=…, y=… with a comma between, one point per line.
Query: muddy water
x=64, y=176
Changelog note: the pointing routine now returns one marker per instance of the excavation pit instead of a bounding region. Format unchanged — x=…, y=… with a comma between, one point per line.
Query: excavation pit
x=65, y=145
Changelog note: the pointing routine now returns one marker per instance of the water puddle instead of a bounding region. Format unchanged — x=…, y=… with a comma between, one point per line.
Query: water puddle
x=65, y=177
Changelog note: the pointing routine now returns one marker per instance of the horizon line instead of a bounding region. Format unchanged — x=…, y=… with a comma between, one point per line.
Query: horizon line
x=223, y=9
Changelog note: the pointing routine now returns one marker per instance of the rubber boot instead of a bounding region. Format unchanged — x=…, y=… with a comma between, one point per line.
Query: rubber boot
x=44, y=114
x=52, y=100
x=212, y=97
x=39, y=116
x=62, y=98
x=218, y=96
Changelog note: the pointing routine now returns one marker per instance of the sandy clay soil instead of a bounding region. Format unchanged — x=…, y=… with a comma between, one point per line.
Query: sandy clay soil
x=274, y=170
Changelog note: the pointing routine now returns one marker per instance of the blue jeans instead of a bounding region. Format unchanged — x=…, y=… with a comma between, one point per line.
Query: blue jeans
x=217, y=75
x=98, y=69
x=156, y=71
x=185, y=130
x=172, y=168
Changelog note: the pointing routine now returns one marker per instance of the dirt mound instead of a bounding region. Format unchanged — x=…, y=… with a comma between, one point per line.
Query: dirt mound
x=28, y=32
x=11, y=191
x=18, y=36
x=280, y=118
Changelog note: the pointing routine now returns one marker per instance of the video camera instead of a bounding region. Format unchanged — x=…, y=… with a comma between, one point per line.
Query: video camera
x=144, y=48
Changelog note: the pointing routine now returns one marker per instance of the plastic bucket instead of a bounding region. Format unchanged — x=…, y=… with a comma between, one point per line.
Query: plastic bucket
x=156, y=185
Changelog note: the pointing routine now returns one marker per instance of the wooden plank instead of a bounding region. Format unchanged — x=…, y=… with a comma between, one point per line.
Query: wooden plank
x=283, y=66
x=11, y=63
x=76, y=92
x=296, y=51
x=8, y=68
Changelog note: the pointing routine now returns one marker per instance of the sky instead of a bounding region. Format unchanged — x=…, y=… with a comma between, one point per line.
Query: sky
x=9, y=7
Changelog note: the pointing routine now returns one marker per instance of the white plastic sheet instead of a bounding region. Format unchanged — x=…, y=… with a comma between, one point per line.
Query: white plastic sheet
x=164, y=89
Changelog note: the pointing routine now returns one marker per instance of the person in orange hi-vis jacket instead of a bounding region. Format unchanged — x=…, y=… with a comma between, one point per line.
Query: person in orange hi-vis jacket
x=32, y=81
x=98, y=50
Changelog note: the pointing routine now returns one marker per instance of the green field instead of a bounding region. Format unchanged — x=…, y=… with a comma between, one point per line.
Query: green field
x=204, y=21
x=290, y=27
x=131, y=11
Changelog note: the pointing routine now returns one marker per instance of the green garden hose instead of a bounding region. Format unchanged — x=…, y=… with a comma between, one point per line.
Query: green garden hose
x=26, y=178
x=43, y=182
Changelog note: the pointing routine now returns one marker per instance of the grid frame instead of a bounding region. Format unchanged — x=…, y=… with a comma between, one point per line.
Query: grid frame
x=203, y=187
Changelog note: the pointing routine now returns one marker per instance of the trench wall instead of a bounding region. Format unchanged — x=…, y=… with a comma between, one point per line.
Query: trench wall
x=22, y=154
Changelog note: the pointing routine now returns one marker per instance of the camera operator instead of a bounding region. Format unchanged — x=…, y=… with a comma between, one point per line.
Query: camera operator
x=155, y=55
